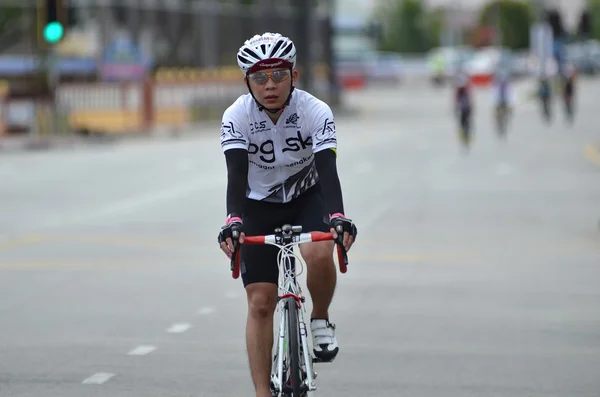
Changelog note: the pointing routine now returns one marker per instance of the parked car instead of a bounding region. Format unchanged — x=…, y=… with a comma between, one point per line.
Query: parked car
x=585, y=56
x=374, y=65
x=448, y=59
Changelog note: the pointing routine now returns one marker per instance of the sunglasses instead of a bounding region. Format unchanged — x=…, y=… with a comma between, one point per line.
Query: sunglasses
x=277, y=76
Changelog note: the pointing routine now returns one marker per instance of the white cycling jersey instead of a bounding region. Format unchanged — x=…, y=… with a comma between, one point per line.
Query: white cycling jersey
x=281, y=156
x=503, y=93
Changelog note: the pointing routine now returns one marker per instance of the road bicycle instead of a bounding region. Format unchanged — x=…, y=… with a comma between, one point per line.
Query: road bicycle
x=502, y=116
x=292, y=373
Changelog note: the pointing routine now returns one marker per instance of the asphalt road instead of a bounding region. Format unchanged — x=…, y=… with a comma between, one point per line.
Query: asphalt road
x=473, y=275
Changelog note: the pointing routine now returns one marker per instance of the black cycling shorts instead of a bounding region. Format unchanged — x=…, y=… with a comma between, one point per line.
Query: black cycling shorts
x=259, y=262
x=569, y=89
x=465, y=116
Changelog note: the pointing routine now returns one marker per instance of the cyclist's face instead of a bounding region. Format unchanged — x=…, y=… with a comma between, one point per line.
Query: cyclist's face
x=272, y=86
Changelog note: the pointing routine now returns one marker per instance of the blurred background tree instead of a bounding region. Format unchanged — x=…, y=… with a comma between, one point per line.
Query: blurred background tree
x=10, y=25
x=594, y=19
x=513, y=20
x=555, y=21
x=408, y=27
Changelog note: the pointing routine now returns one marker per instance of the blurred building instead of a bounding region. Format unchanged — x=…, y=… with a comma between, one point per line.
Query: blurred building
x=138, y=65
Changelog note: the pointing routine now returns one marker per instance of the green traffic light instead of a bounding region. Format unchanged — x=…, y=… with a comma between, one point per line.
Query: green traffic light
x=53, y=32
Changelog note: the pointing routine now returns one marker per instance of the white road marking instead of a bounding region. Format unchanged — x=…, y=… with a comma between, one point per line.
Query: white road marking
x=503, y=169
x=133, y=203
x=178, y=328
x=207, y=310
x=142, y=350
x=98, y=378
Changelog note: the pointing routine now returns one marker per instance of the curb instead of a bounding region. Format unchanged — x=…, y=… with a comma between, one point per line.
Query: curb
x=38, y=144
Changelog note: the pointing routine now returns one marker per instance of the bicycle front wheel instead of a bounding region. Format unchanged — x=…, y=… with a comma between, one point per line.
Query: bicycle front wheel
x=293, y=347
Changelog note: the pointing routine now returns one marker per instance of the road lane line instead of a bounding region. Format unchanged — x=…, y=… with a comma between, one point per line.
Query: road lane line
x=98, y=378
x=207, y=310
x=178, y=328
x=141, y=350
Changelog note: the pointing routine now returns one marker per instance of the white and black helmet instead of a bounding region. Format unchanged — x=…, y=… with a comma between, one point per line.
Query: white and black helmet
x=269, y=50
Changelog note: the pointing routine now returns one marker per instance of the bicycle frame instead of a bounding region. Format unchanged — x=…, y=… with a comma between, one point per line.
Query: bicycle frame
x=286, y=238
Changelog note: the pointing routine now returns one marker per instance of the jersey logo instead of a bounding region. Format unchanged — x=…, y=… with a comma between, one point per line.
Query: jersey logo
x=258, y=127
x=230, y=136
x=295, y=144
x=295, y=185
x=229, y=129
x=293, y=119
x=266, y=149
x=327, y=133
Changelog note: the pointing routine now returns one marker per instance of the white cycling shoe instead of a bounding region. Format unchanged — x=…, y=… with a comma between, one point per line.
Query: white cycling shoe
x=325, y=346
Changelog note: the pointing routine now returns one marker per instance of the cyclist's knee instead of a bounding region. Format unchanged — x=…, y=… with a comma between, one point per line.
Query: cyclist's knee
x=262, y=299
x=317, y=254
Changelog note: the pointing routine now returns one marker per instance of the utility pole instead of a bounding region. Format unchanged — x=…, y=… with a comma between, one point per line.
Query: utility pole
x=330, y=59
x=303, y=29
x=51, y=24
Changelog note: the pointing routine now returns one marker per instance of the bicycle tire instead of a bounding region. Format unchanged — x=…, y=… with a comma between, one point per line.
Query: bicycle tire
x=293, y=346
x=501, y=121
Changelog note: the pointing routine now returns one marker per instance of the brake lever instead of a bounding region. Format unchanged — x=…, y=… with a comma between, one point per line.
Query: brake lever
x=340, y=243
x=236, y=246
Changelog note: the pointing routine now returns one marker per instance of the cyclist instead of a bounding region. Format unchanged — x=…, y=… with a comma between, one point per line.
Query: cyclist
x=569, y=81
x=503, y=98
x=545, y=95
x=463, y=105
x=280, y=146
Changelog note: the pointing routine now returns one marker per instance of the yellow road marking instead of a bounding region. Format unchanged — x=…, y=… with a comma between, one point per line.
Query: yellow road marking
x=407, y=257
x=116, y=240
x=82, y=263
x=24, y=241
x=134, y=242
x=592, y=154
x=73, y=264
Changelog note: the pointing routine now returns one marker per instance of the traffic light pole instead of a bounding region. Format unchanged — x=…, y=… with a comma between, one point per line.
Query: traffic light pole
x=330, y=56
x=53, y=85
x=49, y=72
x=303, y=43
x=51, y=21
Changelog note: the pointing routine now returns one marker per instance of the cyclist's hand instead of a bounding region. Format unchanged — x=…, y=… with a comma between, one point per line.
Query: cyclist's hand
x=343, y=230
x=230, y=235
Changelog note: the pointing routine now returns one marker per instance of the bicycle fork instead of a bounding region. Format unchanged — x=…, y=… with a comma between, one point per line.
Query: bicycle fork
x=310, y=376
x=277, y=378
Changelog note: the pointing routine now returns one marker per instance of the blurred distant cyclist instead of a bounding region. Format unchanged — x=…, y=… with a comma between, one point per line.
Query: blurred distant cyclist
x=504, y=100
x=545, y=94
x=463, y=106
x=569, y=79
